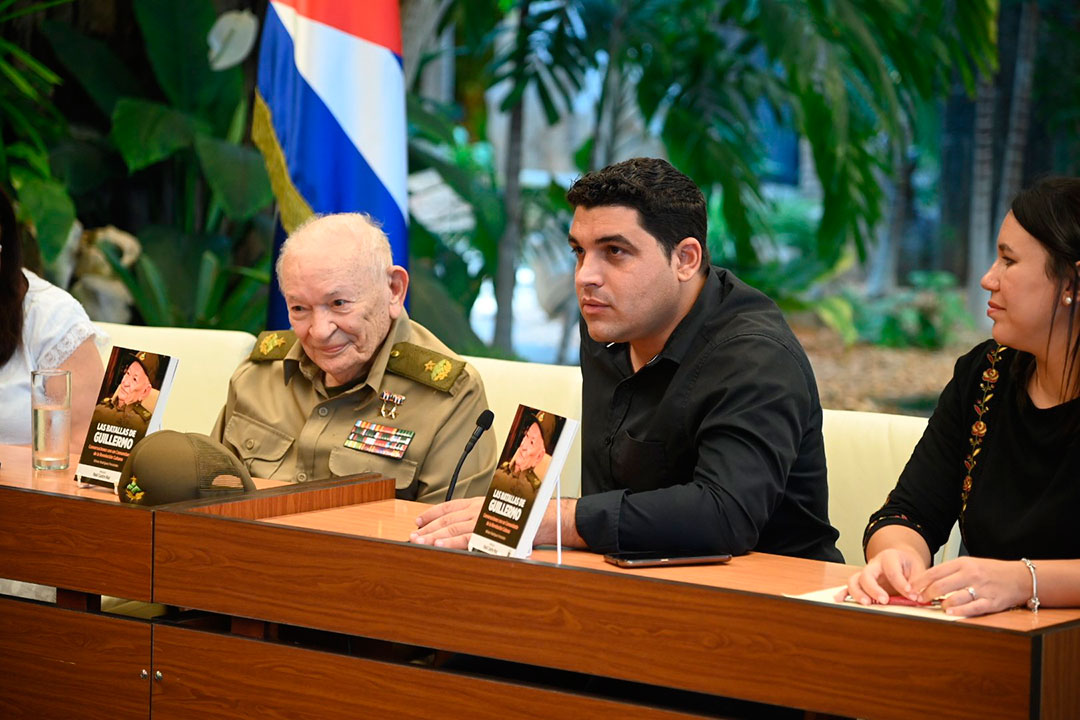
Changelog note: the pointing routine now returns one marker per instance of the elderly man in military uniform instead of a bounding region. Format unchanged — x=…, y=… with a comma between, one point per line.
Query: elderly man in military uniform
x=356, y=386
x=132, y=403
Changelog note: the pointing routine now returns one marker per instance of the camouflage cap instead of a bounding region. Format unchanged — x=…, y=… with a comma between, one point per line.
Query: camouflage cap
x=169, y=466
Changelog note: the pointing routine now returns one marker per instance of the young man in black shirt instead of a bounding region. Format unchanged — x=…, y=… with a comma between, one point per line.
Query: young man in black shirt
x=701, y=427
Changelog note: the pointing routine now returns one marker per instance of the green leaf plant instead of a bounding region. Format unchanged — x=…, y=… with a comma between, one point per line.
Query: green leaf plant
x=29, y=124
x=182, y=141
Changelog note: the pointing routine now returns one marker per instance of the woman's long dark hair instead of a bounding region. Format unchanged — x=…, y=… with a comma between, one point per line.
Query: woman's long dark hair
x=13, y=283
x=1050, y=212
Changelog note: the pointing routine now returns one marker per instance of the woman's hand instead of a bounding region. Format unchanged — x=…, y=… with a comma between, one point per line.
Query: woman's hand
x=888, y=573
x=975, y=586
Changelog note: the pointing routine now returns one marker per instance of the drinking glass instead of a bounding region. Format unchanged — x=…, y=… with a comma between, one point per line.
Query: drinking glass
x=50, y=407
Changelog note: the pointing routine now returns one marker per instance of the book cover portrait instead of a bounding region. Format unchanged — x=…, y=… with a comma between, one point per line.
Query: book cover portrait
x=129, y=407
x=524, y=479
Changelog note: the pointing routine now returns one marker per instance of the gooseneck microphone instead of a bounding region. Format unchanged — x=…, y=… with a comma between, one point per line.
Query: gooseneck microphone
x=482, y=424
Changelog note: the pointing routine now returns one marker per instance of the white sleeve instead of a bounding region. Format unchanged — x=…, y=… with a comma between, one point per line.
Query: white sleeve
x=55, y=325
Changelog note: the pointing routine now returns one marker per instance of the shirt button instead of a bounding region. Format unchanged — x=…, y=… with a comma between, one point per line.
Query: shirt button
x=301, y=477
x=607, y=440
x=323, y=412
x=249, y=443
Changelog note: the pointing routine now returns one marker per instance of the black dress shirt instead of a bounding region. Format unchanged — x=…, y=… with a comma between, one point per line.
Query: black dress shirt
x=714, y=445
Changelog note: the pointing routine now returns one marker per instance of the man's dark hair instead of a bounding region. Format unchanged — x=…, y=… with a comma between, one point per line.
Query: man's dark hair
x=670, y=206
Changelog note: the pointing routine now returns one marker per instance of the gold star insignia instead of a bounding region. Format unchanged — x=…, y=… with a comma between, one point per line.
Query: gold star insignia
x=271, y=341
x=429, y=365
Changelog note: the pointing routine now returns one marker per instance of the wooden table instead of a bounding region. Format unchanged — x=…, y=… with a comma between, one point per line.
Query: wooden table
x=721, y=630
x=67, y=659
x=318, y=609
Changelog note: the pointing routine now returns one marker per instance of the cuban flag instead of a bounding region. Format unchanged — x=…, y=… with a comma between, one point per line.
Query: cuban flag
x=329, y=116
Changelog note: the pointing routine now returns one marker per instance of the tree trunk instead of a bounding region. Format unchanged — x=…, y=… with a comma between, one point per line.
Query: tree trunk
x=1012, y=166
x=510, y=242
x=419, y=32
x=883, y=270
x=980, y=231
x=607, y=108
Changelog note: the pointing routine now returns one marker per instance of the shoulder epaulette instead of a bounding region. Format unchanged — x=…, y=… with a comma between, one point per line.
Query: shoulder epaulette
x=272, y=345
x=425, y=366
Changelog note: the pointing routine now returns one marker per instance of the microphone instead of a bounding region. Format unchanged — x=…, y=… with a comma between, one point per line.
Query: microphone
x=482, y=424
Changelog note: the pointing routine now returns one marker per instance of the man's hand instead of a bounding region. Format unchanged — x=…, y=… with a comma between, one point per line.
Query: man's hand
x=448, y=524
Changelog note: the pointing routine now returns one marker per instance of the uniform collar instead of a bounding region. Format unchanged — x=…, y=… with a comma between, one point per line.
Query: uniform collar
x=297, y=360
x=400, y=331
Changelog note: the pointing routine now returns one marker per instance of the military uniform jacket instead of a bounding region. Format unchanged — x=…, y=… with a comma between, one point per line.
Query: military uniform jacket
x=281, y=422
x=132, y=415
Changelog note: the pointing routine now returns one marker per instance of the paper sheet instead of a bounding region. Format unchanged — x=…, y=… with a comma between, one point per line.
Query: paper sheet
x=826, y=597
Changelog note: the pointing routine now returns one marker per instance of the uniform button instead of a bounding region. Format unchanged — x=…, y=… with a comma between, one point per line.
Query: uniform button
x=301, y=477
x=323, y=412
x=249, y=443
x=607, y=440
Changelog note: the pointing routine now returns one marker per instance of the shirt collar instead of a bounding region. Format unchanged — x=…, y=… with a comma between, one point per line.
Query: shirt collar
x=686, y=332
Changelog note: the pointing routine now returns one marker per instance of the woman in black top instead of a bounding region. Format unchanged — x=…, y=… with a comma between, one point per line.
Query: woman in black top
x=1000, y=453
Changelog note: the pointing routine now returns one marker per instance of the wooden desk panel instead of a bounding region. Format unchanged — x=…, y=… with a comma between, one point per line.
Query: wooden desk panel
x=222, y=677
x=395, y=519
x=716, y=639
x=1059, y=698
x=53, y=532
x=63, y=664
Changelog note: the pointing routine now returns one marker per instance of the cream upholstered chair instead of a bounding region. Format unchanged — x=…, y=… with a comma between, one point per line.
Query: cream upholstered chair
x=555, y=388
x=207, y=361
x=865, y=453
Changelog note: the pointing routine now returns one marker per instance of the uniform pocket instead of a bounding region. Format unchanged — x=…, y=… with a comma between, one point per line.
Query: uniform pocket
x=640, y=464
x=346, y=461
x=261, y=447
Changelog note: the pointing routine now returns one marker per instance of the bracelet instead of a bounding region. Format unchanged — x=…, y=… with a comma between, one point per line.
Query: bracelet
x=1033, y=602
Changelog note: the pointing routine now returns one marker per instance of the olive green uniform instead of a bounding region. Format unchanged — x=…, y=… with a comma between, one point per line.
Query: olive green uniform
x=132, y=415
x=281, y=422
x=523, y=483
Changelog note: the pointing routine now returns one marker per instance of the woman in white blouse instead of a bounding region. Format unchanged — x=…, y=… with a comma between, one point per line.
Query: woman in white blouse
x=41, y=327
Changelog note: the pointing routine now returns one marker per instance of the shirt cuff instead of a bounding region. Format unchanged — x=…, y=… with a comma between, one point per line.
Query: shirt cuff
x=597, y=520
x=879, y=521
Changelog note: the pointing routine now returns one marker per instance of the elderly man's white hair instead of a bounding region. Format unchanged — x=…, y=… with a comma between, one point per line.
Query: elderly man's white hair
x=375, y=254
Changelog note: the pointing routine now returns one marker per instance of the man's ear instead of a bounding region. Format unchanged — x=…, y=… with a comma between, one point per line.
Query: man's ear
x=687, y=258
x=398, y=278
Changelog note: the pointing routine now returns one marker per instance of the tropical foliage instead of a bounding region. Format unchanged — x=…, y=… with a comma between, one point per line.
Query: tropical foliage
x=29, y=125
x=928, y=313
x=842, y=74
x=182, y=137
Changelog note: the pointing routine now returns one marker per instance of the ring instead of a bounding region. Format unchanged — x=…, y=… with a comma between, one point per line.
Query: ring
x=971, y=592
